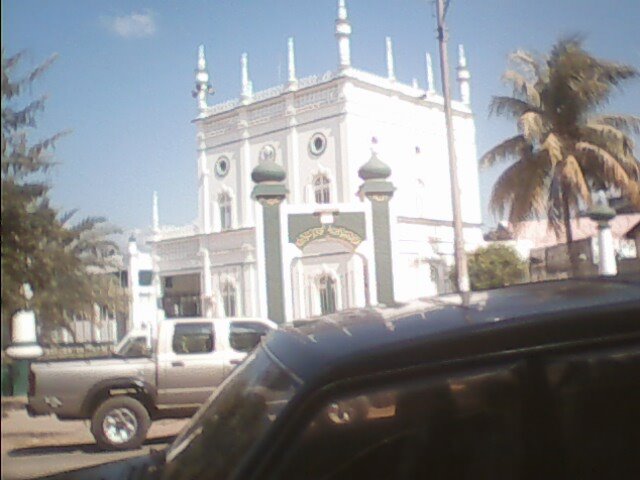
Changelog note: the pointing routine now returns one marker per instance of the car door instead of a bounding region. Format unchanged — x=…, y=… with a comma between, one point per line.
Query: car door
x=594, y=410
x=463, y=424
x=191, y=366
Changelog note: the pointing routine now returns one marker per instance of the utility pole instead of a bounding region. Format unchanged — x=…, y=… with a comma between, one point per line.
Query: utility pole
x=458, y=235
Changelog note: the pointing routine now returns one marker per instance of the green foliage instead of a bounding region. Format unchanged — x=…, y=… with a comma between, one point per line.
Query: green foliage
x=494, y=266
x=566, y=148
x=66, y=265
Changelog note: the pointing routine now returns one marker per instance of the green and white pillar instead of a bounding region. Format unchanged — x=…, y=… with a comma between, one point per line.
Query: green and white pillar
x=379, y=191
x=24, y=345
x=602, y=214
x=270, y=191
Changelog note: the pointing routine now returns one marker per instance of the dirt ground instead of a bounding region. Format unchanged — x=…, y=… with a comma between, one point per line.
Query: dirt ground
x=34, y=447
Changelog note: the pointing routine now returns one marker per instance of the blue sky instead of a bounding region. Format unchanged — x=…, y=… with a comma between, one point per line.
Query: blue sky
x=124, y=76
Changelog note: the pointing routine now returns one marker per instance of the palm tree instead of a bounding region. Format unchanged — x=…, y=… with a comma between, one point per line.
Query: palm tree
x=566, y=148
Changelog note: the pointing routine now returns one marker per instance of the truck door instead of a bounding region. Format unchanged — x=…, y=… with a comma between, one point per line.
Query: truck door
x=189, y=368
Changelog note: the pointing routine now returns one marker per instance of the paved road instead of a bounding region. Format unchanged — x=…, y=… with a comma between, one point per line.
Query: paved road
x=34, y=447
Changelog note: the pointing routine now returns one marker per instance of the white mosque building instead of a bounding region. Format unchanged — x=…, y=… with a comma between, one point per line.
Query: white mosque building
x=321, y=130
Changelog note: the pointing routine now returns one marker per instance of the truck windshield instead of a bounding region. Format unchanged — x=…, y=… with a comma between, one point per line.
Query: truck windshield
x=232, y=421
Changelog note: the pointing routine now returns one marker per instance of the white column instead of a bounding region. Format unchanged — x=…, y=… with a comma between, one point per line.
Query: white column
x=205, y=194
x=358, y=281
x=247, y=90
x=134, y=294
x=251, y=288
x=244, y=195
x=343, y=32
x=607, y=265
x=391, y=74
x=429, y=66
x=155, y=221
x=463, y=76
x=207, y=289
x=291, y=65
x=292, y=162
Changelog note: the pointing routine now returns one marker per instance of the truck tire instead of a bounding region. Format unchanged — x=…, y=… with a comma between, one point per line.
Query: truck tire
x=120, y=423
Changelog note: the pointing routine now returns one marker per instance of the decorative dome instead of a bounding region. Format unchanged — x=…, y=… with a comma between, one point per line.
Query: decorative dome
x=374, y=169
x=268, y=172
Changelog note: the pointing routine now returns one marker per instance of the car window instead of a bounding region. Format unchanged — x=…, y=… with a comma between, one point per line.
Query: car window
x=234, y=419
x=596, y=408
x=466, y=425
x=193, y=338
x=245, y=336
x=135, y=347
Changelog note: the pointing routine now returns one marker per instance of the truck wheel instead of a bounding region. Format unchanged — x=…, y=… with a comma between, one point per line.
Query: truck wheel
x=120, y=423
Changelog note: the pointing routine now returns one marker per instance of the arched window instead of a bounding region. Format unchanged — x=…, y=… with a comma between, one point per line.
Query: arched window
x=224, y=202
x=322, y=189
x=229, y=299
x=327, y=289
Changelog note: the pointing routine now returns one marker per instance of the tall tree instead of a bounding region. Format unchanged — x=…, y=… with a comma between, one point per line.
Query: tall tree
x=65, y=264
x=566, y=147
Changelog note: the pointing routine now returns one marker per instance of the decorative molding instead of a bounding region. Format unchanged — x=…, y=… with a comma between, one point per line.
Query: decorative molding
x=340, y=233
x=378, y=197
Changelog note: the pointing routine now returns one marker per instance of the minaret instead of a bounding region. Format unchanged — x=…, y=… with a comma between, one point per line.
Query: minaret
x=203, y=87
x=343, y=32
x=156, y=216
x=430, y=83
x=292, y=81
x=247, y=89
x=391, y=74
x=463, y=76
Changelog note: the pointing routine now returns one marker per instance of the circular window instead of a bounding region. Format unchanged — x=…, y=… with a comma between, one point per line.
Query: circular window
x=222, y=166
x=267, y=154
x=318, y=144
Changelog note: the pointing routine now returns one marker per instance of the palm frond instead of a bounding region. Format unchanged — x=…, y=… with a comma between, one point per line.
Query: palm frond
x=509, y=149
x=610, y=171
x=510, y=107
x=532, y=126
x=573, y=177
x=627, y=123
x=554, y=148
x=528, y=62
x=520, y=189
x=522, y=88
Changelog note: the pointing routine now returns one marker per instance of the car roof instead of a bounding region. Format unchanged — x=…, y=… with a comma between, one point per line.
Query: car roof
x=450, y=327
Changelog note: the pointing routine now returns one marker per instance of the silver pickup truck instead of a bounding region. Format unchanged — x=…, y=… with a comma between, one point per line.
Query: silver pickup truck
x=144, y=381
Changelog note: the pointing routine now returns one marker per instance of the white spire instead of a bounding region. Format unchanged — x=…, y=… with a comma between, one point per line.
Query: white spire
x=391, y=74
x=414, y=83
x=247, y=90
x=430, y=83
x=463, y=76
x=155, y=214
x=462, y=59
x=203, y=87
x=343, y=32
x=342, y=10
x=291, y=65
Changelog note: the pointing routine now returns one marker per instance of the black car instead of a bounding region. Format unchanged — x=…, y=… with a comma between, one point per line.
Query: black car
x=533, y=381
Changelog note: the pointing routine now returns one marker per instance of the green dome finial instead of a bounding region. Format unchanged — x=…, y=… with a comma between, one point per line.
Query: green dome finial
x=374, y=169
x=268, y=171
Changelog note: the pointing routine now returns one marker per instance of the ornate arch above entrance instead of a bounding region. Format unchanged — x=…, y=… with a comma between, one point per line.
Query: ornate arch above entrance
x=348, y=227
